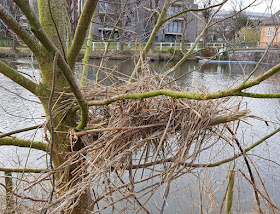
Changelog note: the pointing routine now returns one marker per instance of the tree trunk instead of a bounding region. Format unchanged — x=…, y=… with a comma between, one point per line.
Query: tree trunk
x=205, y=38
x=62, y=121
x=14, y=43
x=121, y=46
x=183, y=34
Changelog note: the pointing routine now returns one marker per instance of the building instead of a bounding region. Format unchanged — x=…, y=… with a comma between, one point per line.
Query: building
x=125, y=21
x=182, y=27
x=270, y=32
x=128, y=20
x=231, y=24
x=114, y=19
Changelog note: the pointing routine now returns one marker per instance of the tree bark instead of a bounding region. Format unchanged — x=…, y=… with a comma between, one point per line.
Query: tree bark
x=54, y=26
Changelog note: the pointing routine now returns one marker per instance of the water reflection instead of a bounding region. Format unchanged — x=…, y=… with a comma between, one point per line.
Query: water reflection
x=220, y=77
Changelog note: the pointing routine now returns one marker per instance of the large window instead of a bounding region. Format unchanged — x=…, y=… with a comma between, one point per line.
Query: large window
x=174, y=27
x=174, y=10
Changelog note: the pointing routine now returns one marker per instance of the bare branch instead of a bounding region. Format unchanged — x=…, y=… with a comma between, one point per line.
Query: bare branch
x=190, y=51
x=194, y=10
x=19, y=79
x=24, y=170
x=237, y=91
x=209, y=165
x=21, y=130
x=81, y=31
x=240, y=154
x=149, y=44
x=20, y=196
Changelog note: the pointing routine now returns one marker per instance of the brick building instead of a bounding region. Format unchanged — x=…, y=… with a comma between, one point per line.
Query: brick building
x=270, y=32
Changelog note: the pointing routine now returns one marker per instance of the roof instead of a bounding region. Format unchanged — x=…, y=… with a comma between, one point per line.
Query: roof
x=250, y=15
x=273, y=20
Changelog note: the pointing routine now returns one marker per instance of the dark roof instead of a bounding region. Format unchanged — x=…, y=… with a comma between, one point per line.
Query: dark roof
x=273, y=20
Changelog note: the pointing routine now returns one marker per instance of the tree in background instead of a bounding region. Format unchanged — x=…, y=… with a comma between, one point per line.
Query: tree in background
x=248, y=35
x=16, y=13
x=206, y=15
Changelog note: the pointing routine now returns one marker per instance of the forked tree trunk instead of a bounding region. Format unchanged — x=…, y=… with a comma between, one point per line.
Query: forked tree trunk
x=61, y=122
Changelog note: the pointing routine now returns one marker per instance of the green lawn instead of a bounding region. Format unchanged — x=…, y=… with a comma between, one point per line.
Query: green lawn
x=5, y=43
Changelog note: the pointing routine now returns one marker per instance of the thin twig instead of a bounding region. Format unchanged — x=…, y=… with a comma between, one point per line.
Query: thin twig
x=24, y=197
x=249, y=169
x=21, y=130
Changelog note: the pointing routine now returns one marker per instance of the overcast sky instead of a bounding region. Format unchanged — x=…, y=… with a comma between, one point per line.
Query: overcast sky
x=267, y=6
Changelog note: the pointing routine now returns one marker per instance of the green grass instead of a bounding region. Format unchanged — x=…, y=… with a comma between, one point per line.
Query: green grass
x=5, y=43
x=101, y=46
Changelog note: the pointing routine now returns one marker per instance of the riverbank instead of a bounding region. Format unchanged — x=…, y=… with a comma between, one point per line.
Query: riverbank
x=245, y=56
x=6, y=52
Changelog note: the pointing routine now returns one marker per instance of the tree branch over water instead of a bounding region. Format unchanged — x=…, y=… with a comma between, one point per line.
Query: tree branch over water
x=81, y=31
x=21, y=130
x=12, y=141
x=19, y=78
x=236, y=91
x=23, y=170
x=210, y=165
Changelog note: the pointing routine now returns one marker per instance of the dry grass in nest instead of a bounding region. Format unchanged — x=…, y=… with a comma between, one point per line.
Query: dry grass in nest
x=151, y=139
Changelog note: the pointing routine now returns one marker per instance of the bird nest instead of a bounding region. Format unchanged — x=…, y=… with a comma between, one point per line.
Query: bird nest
x=152, y=141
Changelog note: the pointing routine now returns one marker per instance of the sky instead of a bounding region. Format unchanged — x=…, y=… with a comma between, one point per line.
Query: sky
x=265, y=6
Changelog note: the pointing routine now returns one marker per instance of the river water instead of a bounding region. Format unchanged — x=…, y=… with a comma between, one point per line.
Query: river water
x=19, y=108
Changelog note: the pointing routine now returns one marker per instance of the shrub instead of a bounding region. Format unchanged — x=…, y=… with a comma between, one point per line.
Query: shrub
x=208, y=52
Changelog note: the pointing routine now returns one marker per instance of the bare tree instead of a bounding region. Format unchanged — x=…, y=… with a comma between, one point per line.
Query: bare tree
x=206, y=14
x=113, y=146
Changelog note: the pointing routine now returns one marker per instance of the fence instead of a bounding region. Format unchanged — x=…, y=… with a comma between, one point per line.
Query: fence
x=159, y=46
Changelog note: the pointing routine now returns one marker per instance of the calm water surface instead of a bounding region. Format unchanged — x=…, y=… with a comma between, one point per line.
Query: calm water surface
x=19, y=108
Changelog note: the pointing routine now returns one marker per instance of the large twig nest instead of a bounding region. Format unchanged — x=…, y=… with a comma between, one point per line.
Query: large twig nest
x=159, y=135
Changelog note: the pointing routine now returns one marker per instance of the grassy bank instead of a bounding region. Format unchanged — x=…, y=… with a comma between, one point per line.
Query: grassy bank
x=6, y=52
x=170, y=54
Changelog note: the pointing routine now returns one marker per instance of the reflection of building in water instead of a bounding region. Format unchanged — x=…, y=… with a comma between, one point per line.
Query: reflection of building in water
x=219, y=69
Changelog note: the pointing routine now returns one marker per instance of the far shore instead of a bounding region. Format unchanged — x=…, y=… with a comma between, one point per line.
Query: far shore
x=6, y=52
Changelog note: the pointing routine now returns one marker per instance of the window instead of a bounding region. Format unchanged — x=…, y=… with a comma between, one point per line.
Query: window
x=175, y=27
x=270, y=31
x=174, y=10
x=106, y=7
